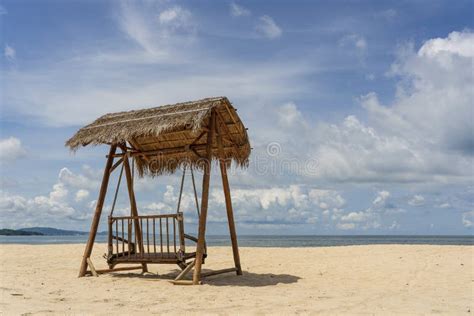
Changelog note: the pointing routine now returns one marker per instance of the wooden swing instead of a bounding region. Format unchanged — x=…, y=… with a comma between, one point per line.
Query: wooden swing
x=162, y=140
x=163, y=235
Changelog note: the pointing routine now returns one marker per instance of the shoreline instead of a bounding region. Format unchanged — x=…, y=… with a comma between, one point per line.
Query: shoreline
x=273, y=240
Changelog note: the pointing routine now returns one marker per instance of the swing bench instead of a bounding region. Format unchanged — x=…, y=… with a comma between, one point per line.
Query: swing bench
x=159, y=141
x=161, y=237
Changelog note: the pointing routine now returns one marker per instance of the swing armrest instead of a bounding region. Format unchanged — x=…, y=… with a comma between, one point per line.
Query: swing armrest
x=192, y=238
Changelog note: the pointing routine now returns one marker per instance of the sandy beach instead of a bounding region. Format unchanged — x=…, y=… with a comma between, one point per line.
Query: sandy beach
x=385, y=279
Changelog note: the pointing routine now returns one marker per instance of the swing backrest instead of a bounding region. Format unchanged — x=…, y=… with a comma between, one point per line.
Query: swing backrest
x=147, y=235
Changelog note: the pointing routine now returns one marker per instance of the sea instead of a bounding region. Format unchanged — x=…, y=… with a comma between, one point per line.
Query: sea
x=271, y=241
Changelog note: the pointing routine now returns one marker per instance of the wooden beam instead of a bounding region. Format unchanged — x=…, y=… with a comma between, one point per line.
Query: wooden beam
x=228, y=206
x=215, y=272
x=226, y=128
x=133, y=206
x=172, y=150
x=184, y=282
x=91, y=266
x=116, y=165
x=185, y=271
x=102, y=271
x=232, y=118
x=98, y=211
x=204, y=200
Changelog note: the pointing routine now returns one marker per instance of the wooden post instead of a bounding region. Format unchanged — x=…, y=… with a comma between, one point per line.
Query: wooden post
x=98, y=211
x=228, y=202
x=204, y=200
x=110, y=246
x=133, y=207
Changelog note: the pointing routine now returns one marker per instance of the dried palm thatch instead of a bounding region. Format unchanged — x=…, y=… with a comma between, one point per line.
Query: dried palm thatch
x=164, y=138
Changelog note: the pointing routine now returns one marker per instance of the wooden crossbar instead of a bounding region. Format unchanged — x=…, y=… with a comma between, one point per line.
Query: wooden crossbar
x=185, y=271
x=101, y=271
x=183, y=282
x=91, y=266
x=215, y=272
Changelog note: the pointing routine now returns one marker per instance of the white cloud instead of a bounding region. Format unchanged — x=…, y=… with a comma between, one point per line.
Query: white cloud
x=55, y=206
x=176, y=18
x=416, y=200
x=468, y=219
x=378, y=215
x=426, y=135
x=354, y=41
x=381, y=198
x=11, y=149
x=156, y=29
x=395, y=225
x=356, y=216
x=237, y=10
x=434, y=94
x=326, y=199
x=346, y=226
x=9, y=52
x=268, y=27
x=444, y=205
x=176, y=54
x=288, y=115
x=81, y=195
x=457, y=43
x=80, y=181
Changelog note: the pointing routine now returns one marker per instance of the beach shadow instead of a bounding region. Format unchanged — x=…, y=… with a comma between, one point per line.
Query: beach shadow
x=147, y=275
x=250, y=279
x=247, y=279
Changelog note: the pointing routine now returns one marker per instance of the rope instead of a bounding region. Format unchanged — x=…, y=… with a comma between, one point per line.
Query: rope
x=195, y=193
x=133, y=170
x=197, y=204
x=181, y=190
x=116, y=191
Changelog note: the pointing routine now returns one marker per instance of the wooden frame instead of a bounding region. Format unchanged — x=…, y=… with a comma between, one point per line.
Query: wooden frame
x=214, y=142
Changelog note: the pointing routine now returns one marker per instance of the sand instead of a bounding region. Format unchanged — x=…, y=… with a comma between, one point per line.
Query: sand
x=384, y=279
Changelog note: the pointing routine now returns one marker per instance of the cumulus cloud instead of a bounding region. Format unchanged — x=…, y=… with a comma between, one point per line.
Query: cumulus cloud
x=11, y=149
x=381, y=198
x=468, y=219
x=288, y=115
x=294, y=204
x=81, y=195
x=416, y=200
x=238, y=10
x=17, y=210
x=378, y=215
x=426, y=135
x=268, y=27
x=434, y=95
x=457, y=43
x=87, y=180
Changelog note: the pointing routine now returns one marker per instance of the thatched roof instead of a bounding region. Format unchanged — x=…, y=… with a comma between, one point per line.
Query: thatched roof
x=166, y=135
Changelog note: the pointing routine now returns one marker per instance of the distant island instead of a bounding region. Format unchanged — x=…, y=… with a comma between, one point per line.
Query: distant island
x=41, y=231
x=17, y=232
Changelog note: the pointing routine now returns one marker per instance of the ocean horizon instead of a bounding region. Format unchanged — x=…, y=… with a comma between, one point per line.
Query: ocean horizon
x=274, y=240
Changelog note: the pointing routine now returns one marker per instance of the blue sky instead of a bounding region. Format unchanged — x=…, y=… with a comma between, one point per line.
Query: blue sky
x=371, y=102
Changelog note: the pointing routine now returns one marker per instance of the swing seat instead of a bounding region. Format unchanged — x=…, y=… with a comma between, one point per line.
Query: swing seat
x=147, y=239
